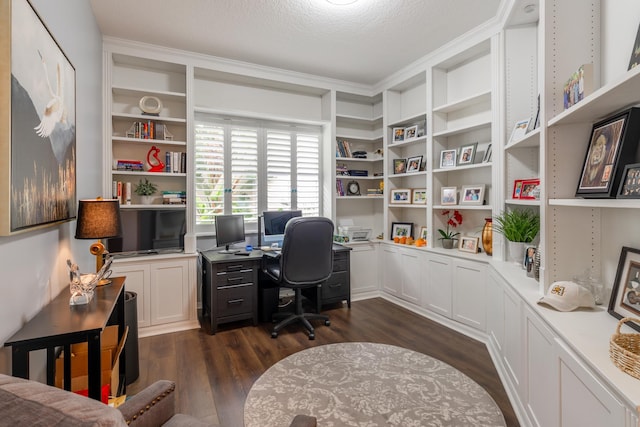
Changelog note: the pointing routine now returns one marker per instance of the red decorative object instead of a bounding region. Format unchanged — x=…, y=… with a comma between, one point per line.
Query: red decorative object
x=155, y=164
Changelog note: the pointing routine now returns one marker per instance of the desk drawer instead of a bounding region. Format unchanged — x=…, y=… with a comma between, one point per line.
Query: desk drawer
x=233, y=278
x=340, y=262
x=337, y=287
x=234, y=300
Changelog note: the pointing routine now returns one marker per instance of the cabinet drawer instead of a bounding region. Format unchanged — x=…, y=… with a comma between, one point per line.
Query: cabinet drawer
x=340, y=262
x=336, y=287
x=235, y=300
x=232, y=278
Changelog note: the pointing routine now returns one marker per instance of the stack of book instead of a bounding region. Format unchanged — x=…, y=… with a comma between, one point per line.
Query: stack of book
x=129, y=165
x=342, y=170
x=374, y=192
x=343, y=148
x=174, y=197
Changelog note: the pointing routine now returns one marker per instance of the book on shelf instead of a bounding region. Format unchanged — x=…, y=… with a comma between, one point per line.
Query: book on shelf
x=579, y=85
x=149, y=129
x=357, y=172
x=175, y=162
x=343, y=148
x=174, y=197
x=339, y=187
x=129, y=165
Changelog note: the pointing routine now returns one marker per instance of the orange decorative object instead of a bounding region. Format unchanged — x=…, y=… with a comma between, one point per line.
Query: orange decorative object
x=154, y=162
x=396, y=239
x=403, y=240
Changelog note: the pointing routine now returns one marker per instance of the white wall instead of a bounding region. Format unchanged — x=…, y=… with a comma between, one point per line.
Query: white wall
x=33, y=264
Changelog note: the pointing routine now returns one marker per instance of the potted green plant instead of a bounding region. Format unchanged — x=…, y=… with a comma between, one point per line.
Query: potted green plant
x=448, y=235
x=518, y=226
x=145, y=189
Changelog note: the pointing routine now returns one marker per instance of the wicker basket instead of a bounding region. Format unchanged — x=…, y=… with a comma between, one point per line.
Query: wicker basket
x=624, y=349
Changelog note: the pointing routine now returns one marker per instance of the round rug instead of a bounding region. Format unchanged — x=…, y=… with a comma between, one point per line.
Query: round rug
x=368, y=384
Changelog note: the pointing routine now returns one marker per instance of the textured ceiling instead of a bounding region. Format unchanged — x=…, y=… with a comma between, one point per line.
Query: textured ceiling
x=363, y=42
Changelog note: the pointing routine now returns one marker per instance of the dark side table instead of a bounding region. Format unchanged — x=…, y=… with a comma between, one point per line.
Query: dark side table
x=60, y=324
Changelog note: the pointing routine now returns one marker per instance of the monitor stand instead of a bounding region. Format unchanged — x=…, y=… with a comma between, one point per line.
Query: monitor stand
x=229, y=251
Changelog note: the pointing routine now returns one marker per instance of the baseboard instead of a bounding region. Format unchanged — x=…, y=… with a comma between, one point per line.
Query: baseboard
x=150, y=331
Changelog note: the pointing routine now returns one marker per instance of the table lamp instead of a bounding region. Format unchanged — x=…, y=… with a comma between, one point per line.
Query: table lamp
x=98, y=219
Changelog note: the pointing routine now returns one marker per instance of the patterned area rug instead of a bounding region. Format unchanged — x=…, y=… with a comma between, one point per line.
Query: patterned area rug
x=367, y=384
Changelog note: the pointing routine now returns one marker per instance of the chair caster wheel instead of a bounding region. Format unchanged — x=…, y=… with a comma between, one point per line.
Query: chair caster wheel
x=274, y=335
x=312, y=336
x=327, y=322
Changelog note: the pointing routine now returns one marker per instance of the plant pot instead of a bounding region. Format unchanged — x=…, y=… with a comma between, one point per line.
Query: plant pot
x=516, y=251
x=447, y=243
x=146, y=200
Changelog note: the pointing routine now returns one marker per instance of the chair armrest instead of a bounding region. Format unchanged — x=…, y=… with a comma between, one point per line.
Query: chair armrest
x=153, y=406
x=272, y=254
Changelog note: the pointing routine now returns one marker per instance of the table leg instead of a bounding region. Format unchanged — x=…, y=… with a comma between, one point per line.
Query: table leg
x=19, y=362
x=94, y=365
x=51, y=365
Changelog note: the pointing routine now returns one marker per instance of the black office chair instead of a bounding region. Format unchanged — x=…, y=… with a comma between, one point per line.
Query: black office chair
x=306, y=260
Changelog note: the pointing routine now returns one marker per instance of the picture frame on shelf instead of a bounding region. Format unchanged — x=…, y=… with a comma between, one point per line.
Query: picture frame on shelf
x=423, y=233
x=413, y=164
x=530, y=189
x=472, y=194
x=630, y=184
x=411, y=132
x=467, y=154
x=400, y=196
x=398, y=134
x=419, y=196
x=468, y=244
x=449, y=196
x=448, y=159
x=625, y=295
x=612, y=146
x=401, y=229
x=399, y=166
x=517, y=189
x=487, y=154
x=519, y=130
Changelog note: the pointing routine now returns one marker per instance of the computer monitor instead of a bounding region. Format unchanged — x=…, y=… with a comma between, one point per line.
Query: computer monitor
x=275, y=221
x=229, y=230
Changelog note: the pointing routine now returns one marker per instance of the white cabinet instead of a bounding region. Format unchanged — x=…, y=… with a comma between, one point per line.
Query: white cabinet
x=364, y=275
x=402, y=270
x=165, y=288
x=469, y=293
x=437, y=294
x=391, y=264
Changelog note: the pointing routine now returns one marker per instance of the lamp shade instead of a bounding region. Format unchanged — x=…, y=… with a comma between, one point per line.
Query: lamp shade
x=98, y=219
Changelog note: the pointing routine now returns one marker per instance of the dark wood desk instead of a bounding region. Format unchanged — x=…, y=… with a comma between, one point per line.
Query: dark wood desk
x=61, y=324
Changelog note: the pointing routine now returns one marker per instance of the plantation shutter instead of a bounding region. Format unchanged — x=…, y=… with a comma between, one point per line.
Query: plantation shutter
x=279, y=167
x=209, y=172
x=244, y=173
x=308, y=173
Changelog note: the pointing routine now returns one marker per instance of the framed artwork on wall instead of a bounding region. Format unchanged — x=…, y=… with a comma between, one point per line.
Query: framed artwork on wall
x=38, y=116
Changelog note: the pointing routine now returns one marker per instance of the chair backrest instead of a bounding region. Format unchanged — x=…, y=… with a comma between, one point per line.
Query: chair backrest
x=307, y=255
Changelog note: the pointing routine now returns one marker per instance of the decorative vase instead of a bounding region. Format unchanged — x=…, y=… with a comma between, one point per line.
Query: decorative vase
x=487, y=236
x=147, y=200
x=516, y=252
x=447, y=243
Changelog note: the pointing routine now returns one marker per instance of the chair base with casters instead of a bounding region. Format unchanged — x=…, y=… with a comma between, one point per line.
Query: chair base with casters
x=299, y=316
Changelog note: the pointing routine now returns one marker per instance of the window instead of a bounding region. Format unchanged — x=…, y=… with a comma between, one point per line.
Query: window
x=246, y=167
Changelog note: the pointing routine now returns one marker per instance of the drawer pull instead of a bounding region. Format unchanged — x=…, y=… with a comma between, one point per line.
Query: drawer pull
x=335, y=285
x=235, y=301
x=234, y=267
x=234, y=279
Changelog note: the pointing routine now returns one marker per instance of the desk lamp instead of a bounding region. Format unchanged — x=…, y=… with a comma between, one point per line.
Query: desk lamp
x=98, y=219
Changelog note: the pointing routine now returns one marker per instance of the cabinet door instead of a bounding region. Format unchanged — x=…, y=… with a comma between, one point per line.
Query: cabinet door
x=437, y=296
x=411, y=262
x=169, y=292
x=585, y=399
x=364, y=270
x=513, y=341
x=495, y=311
x=469, y=288
x=138, y=281
x=392, y=271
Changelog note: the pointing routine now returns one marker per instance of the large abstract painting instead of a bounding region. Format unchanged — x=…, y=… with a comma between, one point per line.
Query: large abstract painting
x=38, y=166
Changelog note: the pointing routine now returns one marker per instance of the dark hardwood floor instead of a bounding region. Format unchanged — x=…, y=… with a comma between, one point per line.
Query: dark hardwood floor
x=214, y=373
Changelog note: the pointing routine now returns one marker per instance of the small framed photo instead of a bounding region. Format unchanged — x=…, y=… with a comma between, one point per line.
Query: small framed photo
x=413, y=164
x=411, y=132
x=399, y=166
x=449, y=196
x=468, y=244
x=487, y=154
x=419, y=196
x=517, y=189
x=401, y=229
x=423, y=233
x=398, y=134
x=630, y=184
x=530, y=189
x=625, y=296
x=401, y=196
x=448, y=159
x=519, y=130
x=467, y=154
x=472, y=195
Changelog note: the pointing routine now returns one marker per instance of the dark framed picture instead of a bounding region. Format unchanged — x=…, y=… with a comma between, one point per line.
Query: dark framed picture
x=413, y=164
x=448, y=159
x=472, y=195
x=630, y=183
x=612, y=146
x=530, y=189
x=468, y=244
x=517, y=189
x=398, y=134
x=401, y=196
x=625, y=296
x=401, y=229
x=38, y=96
x=399, y=166
x=467, y=154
